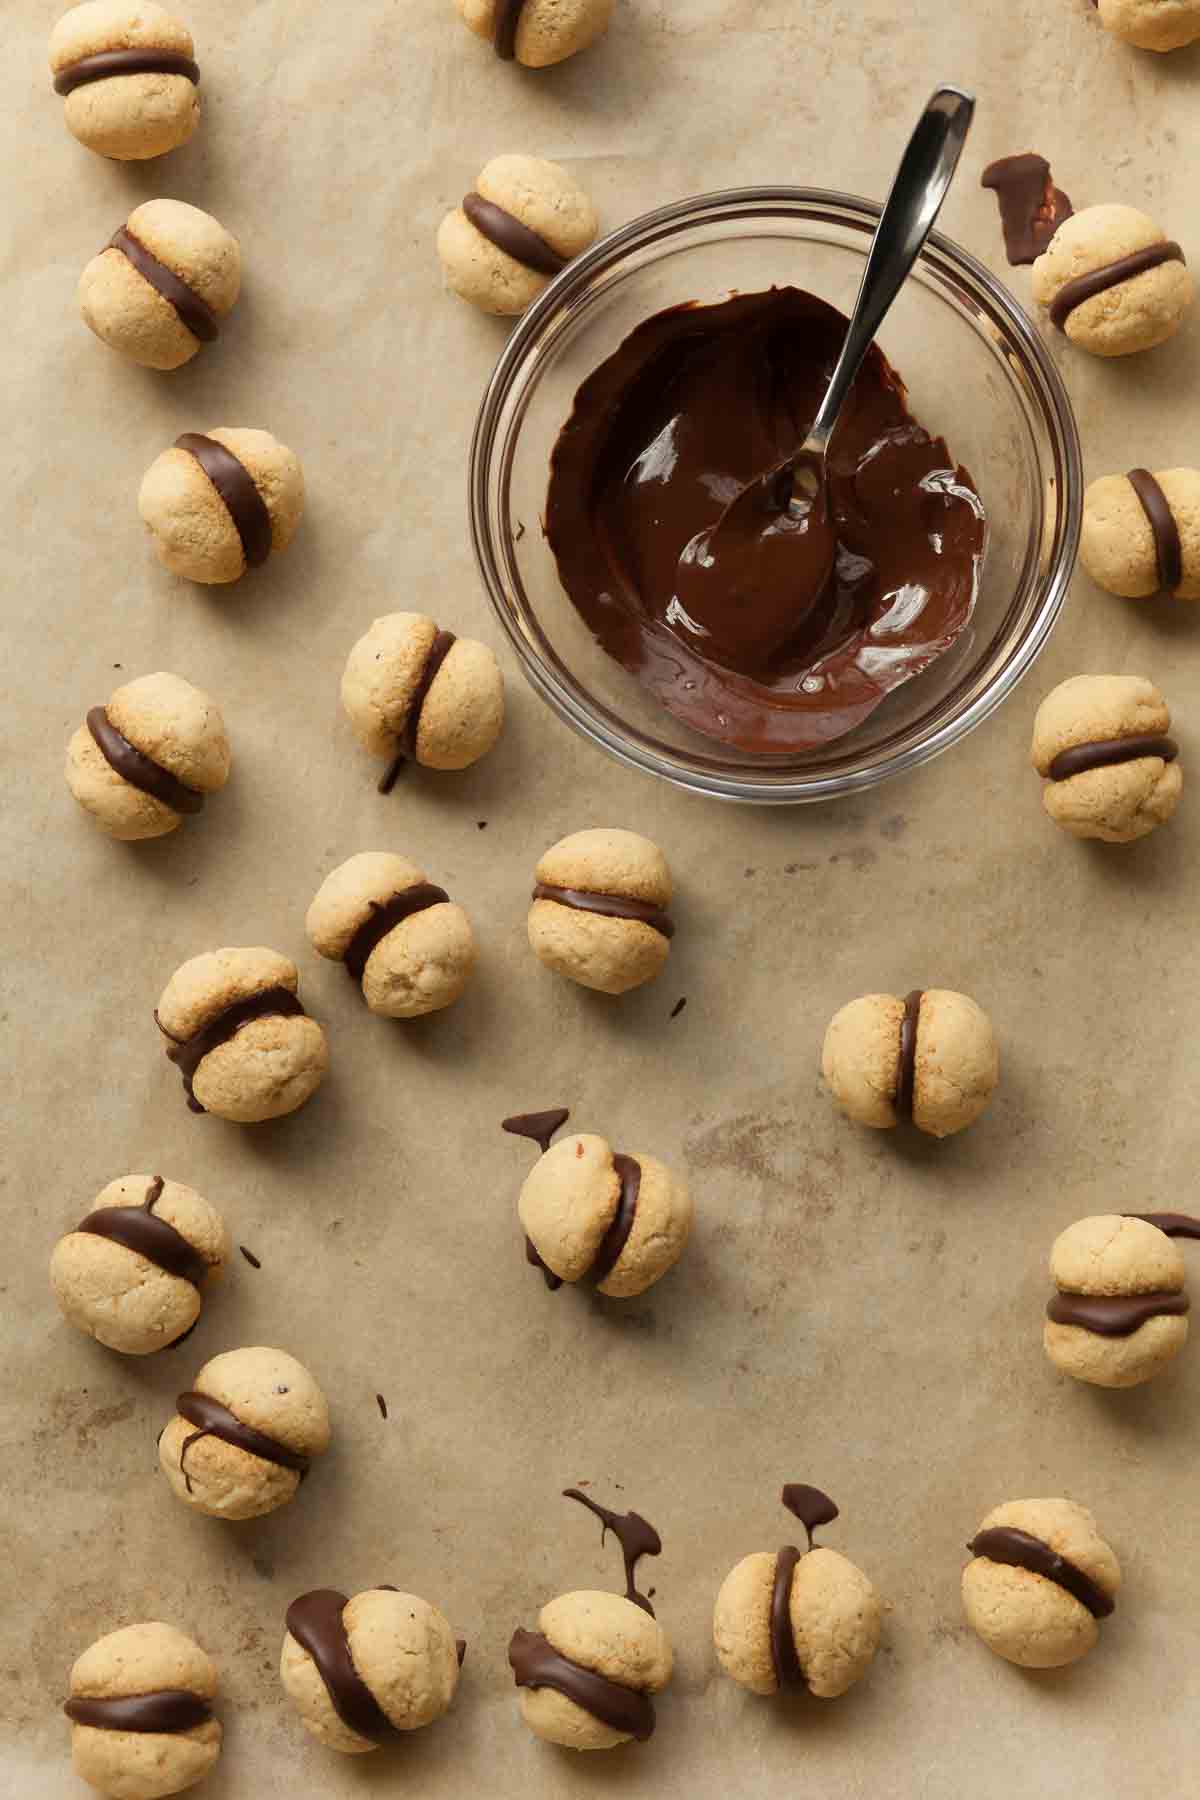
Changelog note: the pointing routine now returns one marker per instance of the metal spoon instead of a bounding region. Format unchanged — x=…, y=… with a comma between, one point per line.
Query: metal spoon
x=770, y=555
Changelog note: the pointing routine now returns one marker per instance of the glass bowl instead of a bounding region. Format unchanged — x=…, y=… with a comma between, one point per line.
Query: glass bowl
x=977, y=374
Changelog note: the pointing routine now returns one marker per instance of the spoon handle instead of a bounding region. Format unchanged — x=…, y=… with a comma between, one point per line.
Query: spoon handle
x=925, y=173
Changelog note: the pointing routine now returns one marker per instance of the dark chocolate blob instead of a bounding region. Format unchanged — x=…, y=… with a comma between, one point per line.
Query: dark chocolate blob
x=1176, y=1225
x=1110, y=275
x=511, y=236
x=138, y=769
x=1082, y=757
x=140, y=1229
x=540, y=1126
x=190, y=1053
x=439, y=650
x=250, y=1257
x=1114, y=1315
x=1005, y=1544
x=636, y=1536
x=629, y=1172
x=810, y=1506
x=1168, y=546
x=170, y=1709
x=315, y=1621
x=1031, y=207
x=237, y=488
x=906, y=1069
x=609, y=906
x=535, y=1663
x=384, y=916
x=107, y=63
x=212, y=1419
x=508, y=17
x=788, y=1672
x=196, y=314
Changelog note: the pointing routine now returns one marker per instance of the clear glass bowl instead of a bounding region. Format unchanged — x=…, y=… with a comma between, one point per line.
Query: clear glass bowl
x=976, y=373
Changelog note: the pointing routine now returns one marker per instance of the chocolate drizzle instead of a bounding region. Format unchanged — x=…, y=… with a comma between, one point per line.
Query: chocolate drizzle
x=1114, y=1315
x=384, y=916
x=508, y=17
x=812, y=1508
x=187, y=1054
x=1005, y=1544
x=439, y=650
x=636, y=1536
x=170, y=1709
x=1110, y=275
x=107, y=63
x=1031, y=207
x=196, y=314
x=609, y=906
x=1102, y=755
x=1168, y=545
x=508, y=233
x=541, y=1127
x=315, y=1621
x=138, y=769
x=212, y=1419
x=237, y=489
x=138, y=1228
x=1175, y=1225
x=906, y=1068
x=535, y=1663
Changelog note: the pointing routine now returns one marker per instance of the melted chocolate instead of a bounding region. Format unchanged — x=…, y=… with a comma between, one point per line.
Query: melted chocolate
x=1098, y=281
x=170, y=1709
x=617, y=1235
x=140, y=1229
x=138, y=769
x=540, y=1126
x=636, y=1536
x=1082, y=757
x=187, y=1055
x=812, y=1508
x=508, y=17
x=1114, y=1315
x=535, y=1663
x=1005, y=1544
x=906, y=1070
x=696, y=404
x=196, y=314
x=439, y=650
x=315, y=1621
x=609, y=906
x=510, y=235
x=1031, y=207
x=1168, y=545
x=1176, y=1225
x=107, y=63
x=214, y=1420
x=237, y=488
x=384, y=917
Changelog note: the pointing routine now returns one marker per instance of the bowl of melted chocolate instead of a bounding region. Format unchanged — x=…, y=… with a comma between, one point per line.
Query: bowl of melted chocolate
x=676, y=363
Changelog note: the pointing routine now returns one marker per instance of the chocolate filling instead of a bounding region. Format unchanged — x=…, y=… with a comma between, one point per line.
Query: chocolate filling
x=510, y=235
x=439, y=650
x=237, y=489
x=1176, y=1225
x=1114, y=1315
x=384, y=916
x=609, y=906
x=194, y=313
x=617, y=1235
x=315, y=1621
x=812, y=1508
x=1168, y=546
x=1082, y=757
x=189, y=1053
x=107, y=63
x=1098, y=281
x=139, y=770
x=906, y=1069
x=636, y=1536
x=1031, y=207
x=170, y=1709
x=1005, y=1544
x=214, y=1420
x=535, y=1663
x=140, y=1229
x=508, y=17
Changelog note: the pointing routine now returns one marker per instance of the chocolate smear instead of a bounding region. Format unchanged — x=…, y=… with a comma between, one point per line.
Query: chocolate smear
x=315, y=1621
x=1176, y=1225
x=1005, y=1544
x=140, y=1229
x=535, y=1663
x=906, y=1071
x=609, y=906
x=439, y=650
x=636, y=1536
x=187, y=1054
x=383, y=917
x=1110, y=275
x=212, y=1419
x=138, y=769
x=107, y=63
x=500, y=227
x=1168, y=545
x=508, y=17
x=1114, y=1315
x=194, y=313
x=1102, y=755
x=540, y=1126
x=629, y=1173
x=170, y=1709
x=250, y=1257
x=239, y=491
x=1031, y=207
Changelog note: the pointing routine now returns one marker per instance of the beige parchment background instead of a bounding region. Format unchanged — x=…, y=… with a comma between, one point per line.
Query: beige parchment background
x=853, y=1311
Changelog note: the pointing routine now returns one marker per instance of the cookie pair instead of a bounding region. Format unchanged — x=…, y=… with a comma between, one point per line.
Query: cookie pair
x=128, y=77
x=1103, y=745
x=1120, y=1309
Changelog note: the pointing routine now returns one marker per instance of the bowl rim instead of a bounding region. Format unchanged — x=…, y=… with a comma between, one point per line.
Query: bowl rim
x=758, y=786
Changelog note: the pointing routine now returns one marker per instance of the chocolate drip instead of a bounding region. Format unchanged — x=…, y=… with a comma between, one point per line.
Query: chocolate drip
x=237, y=488
x=636, y=1536
x=460, y=1650
x=511, y=236
x=170, y=1709
x=535, y=1663
x=788, y=1672
x=1031, y=207
x=508, y=17
x=196, y=314
x=540, y=1126
x=138, y=769
x=1082, y=757
x=553, y=1281
x=609, y=906
x=1005, y=1544
x=1098, y=281
x=1114, y=1315
x=617, y=1235
x=215, y=1420
x=189, y=1053
x=384, y=916
x=1176, y=1225
x=439, y=650
x=810, y=1506
x=1168, y=546
x=906, y=1070
x=315, y=1621
x=139, y=1228
x=107, y=63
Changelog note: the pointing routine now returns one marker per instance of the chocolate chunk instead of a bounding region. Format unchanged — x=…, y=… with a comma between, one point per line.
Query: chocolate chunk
x=315, y=1621
x=140, y=1229
x=1176, y=1225
x=1114, y=1315
x=609, y=906
x=1108, y=751
x=540, y=1126
x=239, y=491
x=439, y=650
x=1005, y=1544
x=1031, y=207
x=511, y=236
x=1109, y=275
x=636, y=1536
x=535, y=1663
x=906, y=1070
x=138, y=769
x=189, y=1053
x=1168, y=545
x=212, y=1419
x=384, y=917
x=170, y=1709
x=617, y=1236
x=196, y=314
x=107, y=63
x=508, y=17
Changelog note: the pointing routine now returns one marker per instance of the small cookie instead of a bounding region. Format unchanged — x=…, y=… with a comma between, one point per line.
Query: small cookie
x=793, y=1619
x=141, y=1713
x=591, y=1212
x=161, y=286
x=216, y=505
x=134, y=1273
x=403, y=939
x=1152, y=24
x=524, y=221
x=1112, y=281
x=237, y=1033
x=1120, y=1313
x=363, y=1671
x=599, y=912
x=536, y=32
x=1111, y=769
x=148, y=758
x=1141, y=533
x=416, y=693
x=127, y=72
x=1041, y=1580
x=586, y=1675
x=243, y=1437
x=930, y=1058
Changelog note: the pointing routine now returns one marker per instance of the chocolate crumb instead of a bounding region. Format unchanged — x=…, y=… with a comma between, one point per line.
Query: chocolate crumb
x=678, y=1007
x=250, y=1257
x=382, y=1405
x=519, y=533
x=481, y=824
